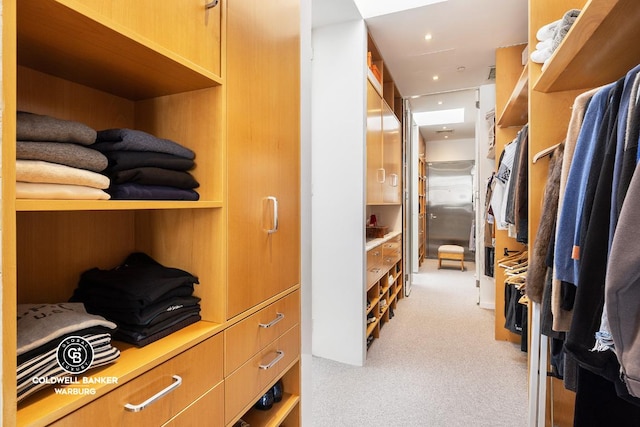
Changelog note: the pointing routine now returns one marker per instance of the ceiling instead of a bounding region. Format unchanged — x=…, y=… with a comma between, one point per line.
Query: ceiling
x=461, y=52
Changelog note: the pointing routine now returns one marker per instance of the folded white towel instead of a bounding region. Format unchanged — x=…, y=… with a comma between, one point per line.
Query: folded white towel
x=539, y=56
x=547, y=31
x=548, y=43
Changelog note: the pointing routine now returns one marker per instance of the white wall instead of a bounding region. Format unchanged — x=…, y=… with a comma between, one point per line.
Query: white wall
x=338, y=191
x=305, y=206
x=484, y=168
x=448, y=150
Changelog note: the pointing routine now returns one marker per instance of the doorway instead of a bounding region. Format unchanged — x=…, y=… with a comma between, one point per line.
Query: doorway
x=450, y=211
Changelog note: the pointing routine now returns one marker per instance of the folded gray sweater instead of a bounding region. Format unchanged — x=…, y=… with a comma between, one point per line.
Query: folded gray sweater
x=36, y=127
x=63, y=153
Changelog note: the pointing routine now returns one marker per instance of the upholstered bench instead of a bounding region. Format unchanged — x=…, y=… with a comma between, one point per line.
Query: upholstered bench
x=451, y=252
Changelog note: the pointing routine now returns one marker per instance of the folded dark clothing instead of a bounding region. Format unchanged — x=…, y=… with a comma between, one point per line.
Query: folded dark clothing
x=123, y=160
x=132, y=191
x=106, y=302
x=53, y=344
x=40, y=323
x=63, y=153
x=36, y=127
x=150, y=313
x=139, y=277
x=137, y=140
x=154, y=176
x=140, y=332
x=159, y=335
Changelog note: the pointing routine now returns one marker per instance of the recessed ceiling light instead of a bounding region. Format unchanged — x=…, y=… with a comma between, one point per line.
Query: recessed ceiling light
x=446, y=137
x=435, y=77
x=427, y=36
x=415, y=97
x=444, y=127
x=439, y=102
x=461, y=68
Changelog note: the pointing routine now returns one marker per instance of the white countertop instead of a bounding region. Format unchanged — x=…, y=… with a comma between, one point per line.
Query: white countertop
x=372, y=243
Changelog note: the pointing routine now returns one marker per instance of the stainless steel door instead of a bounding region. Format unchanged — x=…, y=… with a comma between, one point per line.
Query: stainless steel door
x=449, y=205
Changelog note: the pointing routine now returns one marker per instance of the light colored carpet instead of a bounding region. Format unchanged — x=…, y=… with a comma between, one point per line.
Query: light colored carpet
x=436, y=364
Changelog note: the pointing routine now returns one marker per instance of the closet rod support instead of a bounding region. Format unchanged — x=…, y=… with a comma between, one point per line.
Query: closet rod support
x=507, y=252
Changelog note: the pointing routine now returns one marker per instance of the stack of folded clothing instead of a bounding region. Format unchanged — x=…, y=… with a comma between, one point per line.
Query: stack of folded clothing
x=145, y=299
x=55, y=159
x=145, y=167
x=42, y=327
x=551, y=35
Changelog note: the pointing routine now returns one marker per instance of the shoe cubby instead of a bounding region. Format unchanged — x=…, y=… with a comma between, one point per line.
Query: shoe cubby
x=283, y=413
x=384, y=284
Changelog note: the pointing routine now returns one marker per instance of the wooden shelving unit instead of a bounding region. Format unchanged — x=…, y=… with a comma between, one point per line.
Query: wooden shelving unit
x=114, y=65
x=599, y=49
x=384, y=284
x=422, y=209
x=511, y=81
x=516, y=110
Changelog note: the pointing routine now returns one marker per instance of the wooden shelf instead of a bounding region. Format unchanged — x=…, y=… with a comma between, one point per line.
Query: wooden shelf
x=516, y=111
x=29, y=205
x=600, y=48
x=372, y=326
x=274, y=416
x=374, y=82
x=46, y=406
x=81, y=46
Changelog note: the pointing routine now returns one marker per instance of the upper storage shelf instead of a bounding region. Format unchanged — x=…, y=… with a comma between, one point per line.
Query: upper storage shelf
x=601, y=47
x=76, y=43
x=381, y=79
x=516, y=111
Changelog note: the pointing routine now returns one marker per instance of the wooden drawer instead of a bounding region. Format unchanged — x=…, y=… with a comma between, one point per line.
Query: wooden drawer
x=199, y=367
x=374, y=257
x=246, y=338
x=205, y=412
x=246, y=385
x=392, y=250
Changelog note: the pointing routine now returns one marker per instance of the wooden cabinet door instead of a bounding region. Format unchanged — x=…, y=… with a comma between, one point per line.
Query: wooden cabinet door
x=183, y=27
x=263, y=107
x=392, y=156
x=375, y=168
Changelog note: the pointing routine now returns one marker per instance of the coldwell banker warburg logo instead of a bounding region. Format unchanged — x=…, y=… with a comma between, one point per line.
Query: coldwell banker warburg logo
x=74, y=355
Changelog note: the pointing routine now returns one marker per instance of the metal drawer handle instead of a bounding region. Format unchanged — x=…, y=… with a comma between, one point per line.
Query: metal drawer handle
x=274, y=361
x=177, y=380
x=275, y=214
x=211, y=4
x=278, y=318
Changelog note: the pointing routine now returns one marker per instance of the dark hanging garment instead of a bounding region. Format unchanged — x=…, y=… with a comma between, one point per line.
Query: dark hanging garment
x=598, y=404
x=521, y=202
x=537, y=271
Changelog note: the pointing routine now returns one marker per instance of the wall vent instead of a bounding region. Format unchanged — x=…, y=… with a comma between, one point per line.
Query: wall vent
x=492, y=73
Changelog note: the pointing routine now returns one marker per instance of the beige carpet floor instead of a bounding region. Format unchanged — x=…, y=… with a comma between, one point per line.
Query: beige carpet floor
x=436, y=364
